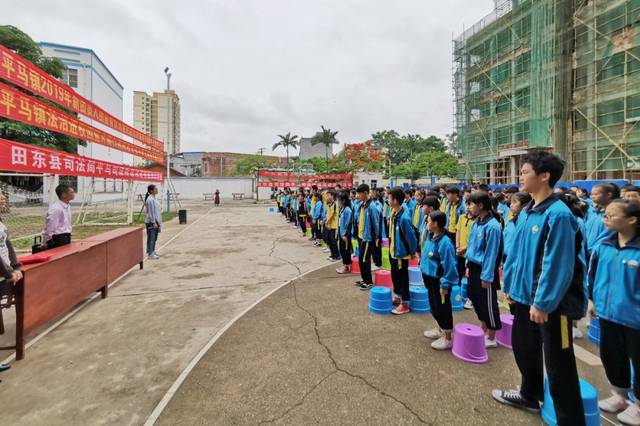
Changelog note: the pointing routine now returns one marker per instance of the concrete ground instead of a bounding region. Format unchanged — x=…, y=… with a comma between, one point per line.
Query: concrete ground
x=112, y=361
x=311, y=353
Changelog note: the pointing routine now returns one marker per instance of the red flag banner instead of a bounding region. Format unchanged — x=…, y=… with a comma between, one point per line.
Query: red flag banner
x=18, y=106
x=295, y=184
x=19, y=71
x=18, y=157
x=290, y=175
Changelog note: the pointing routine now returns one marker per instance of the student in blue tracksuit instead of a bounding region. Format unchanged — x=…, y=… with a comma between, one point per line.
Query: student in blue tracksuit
x=367, y=230
x=546, y=284
x=402, y=247
x=503, y=207
x=355, y=206
x=417, y=215
x=614, y=287
x=316, y=218
x=630, y=192
x=345, y=224
x=454, y=210
x=439, y=272
x=484, y=254
x=377, y=247
x=409, y=203
x=518, y=201
x=601, y=195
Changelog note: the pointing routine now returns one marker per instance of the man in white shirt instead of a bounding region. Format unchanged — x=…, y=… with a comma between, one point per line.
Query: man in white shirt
x=57, y=230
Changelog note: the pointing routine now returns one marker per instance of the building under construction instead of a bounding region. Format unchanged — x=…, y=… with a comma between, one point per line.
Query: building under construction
x=557, y=74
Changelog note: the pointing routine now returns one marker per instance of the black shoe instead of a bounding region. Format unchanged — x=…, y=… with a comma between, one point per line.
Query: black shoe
x=365, y=287
x=359, y=283
x=514, y=399
x=4, y=367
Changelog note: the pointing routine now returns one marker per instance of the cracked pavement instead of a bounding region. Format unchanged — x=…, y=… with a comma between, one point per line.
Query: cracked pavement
x=311, y=353
x=114, y=360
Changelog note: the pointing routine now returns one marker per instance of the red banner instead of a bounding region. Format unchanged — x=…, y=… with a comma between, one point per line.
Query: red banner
x=19, y=71
x=18, y=157
x=290, y=175
x=18, y=106
x=295, y=184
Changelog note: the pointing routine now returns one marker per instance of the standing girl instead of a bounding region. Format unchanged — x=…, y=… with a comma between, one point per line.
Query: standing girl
x=518, y=201
x=438, y=266
x=614, y=286
x=484, y=253
x=344, y=232
x=153, y=221
x=302, y=213
x=216, y=198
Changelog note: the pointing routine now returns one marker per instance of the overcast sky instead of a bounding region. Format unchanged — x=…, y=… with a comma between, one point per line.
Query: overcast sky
x=246, y=70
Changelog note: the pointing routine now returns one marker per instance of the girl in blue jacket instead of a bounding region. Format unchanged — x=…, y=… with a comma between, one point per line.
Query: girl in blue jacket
x=345, y=220
x=614, y=287
x=484, y=253
x=438, y=264
x=518, y=201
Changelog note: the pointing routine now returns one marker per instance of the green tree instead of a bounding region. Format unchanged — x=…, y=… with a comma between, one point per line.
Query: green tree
x=429, y=163
x=404, y=148
x=19, y=42
x=248, y=165
x=327, y=138
x=287, y=141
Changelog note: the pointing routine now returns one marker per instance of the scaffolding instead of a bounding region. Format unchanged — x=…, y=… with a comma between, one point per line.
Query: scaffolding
x=555, y=74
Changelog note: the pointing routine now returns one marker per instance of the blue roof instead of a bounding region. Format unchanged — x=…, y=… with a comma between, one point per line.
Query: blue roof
x=81, y=49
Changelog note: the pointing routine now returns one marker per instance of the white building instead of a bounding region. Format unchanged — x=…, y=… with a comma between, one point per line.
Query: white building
x=158, y=115
x=90, y=77
x=308, y=150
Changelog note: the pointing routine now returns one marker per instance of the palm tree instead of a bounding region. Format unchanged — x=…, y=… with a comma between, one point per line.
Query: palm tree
x=327, y=138
x=286, y=141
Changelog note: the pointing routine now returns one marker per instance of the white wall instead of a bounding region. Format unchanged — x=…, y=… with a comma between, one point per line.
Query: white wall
x=194, y=187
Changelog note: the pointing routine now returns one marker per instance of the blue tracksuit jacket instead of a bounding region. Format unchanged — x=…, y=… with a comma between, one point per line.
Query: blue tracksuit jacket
x=438, y=260
x=485, y=246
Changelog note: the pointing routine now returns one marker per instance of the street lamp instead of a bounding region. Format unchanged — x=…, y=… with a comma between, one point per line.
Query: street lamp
x=168, y=74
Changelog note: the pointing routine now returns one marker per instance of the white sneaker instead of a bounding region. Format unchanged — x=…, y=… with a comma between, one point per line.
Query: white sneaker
x=613, y=404
x=488, y=343
x=442, y=344
x=630, y=416
x=577, y=334
x=326, y=250
x=154, y=256
x=157, y=254
x=434, y=333
x=468, y=304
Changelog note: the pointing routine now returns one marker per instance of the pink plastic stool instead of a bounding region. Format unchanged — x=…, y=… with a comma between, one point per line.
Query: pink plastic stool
x=503, y=336
x=383, y=278
x=355, y=265
x=385, y=242
x=414, y=261
x=468, y=344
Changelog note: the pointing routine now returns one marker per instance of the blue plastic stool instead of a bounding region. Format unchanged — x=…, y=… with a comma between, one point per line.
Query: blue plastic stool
x=589, y=400
x=465, y=286
x=415, y=276
x=457, y=303
x=594, y=331
x=632, y=397
x=380, y=300
x=419, y=303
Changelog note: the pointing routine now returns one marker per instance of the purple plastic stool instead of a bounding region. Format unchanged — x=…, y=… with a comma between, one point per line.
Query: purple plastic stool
x=385, y=242
x=468, y=343
x=503, y=336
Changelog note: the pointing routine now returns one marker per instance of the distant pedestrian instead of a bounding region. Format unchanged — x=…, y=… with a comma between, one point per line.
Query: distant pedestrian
x=216, y=198
x=57, y=228
x=153, y=221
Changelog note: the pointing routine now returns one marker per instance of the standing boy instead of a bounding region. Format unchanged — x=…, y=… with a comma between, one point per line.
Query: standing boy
x=332, y=225
x=367, y=232
x=402, y=247
x=546, y=284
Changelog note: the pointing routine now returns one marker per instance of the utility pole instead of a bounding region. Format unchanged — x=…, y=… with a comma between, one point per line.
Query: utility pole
x=261, y=151
x=167, y=144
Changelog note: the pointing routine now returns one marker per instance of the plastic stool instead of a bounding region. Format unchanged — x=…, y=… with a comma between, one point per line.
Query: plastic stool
x=415, y=276
x=589, y=401
x=457, y=304
x=385, y=242
x=414, y=261
x=383, y=278
x=386, y=263
x=594, y=331
x=380, y=300
x=465, y=286
x=468, y=344
x=503, y=336
x=355, y=265
x=419, y=303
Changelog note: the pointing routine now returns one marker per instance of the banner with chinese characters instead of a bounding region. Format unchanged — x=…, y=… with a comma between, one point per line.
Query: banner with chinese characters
x=18, y=157
x=18, y=106
x=19, y=71
x=309, y=184
x=291, y=175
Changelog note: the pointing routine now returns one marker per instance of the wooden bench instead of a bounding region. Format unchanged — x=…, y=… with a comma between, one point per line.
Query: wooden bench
x=208, y=196
x=76, y=271
x=238, y=195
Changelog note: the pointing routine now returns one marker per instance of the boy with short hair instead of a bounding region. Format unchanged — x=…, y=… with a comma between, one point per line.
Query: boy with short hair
x=546, y=284
x=367, y=231
x=332, y=225
x=402, y=247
